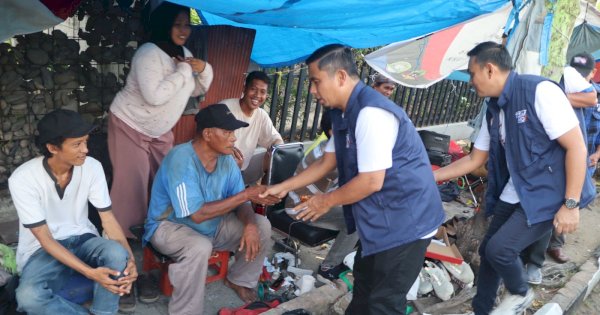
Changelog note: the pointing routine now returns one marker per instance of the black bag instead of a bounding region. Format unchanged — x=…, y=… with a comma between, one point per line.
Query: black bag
x=8, y=302
x=439, y=158
x=448, y=191
x=434, y=141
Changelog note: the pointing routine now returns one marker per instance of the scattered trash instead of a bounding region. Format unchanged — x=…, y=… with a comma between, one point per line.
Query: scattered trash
x=291, y=260
x=299, y=271
x=349, y=260
x=305, y=284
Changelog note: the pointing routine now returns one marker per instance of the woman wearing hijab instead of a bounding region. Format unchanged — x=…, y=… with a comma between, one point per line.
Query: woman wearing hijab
x=163, y=76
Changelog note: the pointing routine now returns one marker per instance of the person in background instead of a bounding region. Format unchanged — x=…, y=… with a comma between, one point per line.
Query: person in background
x=344, y=243
x=592, y=123
x=375, y=148
x=198, y=205
x=383, y=85
x=260, y=132
x=530, y=137
x=163, y=76
x=582, y=96
x=56, y=238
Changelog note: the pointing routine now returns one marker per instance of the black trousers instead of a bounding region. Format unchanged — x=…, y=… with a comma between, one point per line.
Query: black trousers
x=382, y=280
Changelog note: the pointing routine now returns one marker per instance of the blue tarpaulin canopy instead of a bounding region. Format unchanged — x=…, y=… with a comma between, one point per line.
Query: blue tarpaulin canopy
x=288, y=31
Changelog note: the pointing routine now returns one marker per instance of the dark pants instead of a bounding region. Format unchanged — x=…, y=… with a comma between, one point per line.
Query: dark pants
x=556, y=240
x=536, y=253
x=382, y=280
x=507, y=236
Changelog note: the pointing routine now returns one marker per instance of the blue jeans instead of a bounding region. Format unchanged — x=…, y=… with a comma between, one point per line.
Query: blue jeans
x=507, y=235
x=43, y=275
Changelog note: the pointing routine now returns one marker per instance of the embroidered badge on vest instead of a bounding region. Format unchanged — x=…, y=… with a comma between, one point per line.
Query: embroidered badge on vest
x=521, y=116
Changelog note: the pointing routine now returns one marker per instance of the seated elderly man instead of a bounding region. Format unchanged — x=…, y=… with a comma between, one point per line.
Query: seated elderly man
x=198, y=205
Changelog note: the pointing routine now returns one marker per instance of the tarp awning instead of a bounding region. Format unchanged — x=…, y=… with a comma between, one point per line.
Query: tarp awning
x=287, y=31
x=425, y=61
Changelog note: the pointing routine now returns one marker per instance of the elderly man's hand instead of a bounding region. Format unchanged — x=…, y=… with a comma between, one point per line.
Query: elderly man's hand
x=250, y=241
x=257, y=195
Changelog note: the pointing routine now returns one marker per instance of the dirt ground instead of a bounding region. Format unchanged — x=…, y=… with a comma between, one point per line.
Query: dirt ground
x=591, y=306
x=580, y=246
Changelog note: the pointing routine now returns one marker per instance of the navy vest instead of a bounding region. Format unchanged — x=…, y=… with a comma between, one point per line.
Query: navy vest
x=408, y=206
x=536, y=163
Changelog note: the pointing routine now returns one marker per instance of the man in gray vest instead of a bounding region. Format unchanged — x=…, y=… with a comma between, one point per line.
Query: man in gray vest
x=375, y=148
x=536, y=164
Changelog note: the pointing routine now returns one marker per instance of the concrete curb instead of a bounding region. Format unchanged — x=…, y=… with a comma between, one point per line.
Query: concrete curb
x=575, y=291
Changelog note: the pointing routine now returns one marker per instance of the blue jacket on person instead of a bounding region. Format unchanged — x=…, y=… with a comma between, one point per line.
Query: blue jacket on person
x=536, y=164
x=408, y=206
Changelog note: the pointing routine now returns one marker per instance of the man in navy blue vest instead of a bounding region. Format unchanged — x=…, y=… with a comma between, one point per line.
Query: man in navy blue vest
x=536, y=168
x=386, y=184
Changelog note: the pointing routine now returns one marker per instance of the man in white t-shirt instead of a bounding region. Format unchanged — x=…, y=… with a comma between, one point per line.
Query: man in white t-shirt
x=56, y=238
x=260, y=132
x=530, y=138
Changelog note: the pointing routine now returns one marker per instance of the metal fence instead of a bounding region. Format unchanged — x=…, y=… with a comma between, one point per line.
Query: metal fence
x=296, y=115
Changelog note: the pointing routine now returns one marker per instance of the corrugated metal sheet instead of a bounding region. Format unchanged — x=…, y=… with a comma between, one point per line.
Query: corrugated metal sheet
x=228, y=50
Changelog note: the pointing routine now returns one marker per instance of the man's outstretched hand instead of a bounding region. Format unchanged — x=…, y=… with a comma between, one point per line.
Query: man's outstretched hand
x=276, y=190
x=257, y=195
x=313, y=209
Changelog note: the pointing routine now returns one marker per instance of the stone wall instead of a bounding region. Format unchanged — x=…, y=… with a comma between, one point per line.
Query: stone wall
x=78, y=65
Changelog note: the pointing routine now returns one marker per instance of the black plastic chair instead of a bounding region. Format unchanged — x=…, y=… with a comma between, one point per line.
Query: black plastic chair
x=283, y=163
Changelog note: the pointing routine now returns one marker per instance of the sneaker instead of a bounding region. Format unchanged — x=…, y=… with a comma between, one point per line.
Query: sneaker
x=127, y=303
x=425, y=285
x=326, y=274
x=440, y=280
x=461, y=272
x=534, y=274
x=147, y=289
x=514, y=304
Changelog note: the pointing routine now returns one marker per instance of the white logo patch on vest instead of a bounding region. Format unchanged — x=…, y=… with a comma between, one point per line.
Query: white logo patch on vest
x=521, y=116
x=348, y=140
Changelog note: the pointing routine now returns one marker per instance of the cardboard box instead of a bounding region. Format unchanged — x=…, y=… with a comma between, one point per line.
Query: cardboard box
x=447, y=253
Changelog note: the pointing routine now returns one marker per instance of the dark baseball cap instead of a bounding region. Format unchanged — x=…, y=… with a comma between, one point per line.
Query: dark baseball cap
x=584, y=63
x=217, y=116
x=62, y=123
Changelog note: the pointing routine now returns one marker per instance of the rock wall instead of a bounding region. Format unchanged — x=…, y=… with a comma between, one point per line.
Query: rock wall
x=79, y=65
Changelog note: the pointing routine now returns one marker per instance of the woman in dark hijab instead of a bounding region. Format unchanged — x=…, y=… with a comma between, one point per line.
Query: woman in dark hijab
x=163, y=76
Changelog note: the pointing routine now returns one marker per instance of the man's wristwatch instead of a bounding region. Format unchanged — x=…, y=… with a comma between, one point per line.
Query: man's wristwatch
x=571, y=203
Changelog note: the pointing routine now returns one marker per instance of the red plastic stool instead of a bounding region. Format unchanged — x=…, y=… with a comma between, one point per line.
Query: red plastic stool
x=219, y=261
